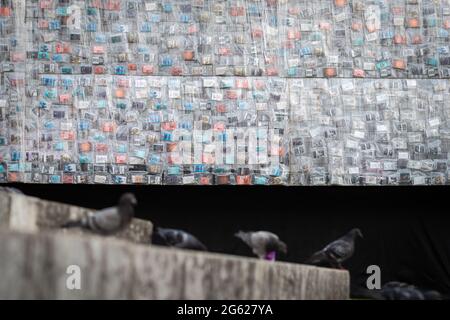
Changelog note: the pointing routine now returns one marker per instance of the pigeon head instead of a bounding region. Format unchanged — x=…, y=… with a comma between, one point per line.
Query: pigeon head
x=356, y=233
x=128, y=199
x=275, y=244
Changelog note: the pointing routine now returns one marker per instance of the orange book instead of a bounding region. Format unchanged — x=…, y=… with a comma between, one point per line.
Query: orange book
x=108, y=127
x=243, y=180
x=188, y=55
x=204, y=181
x=359, y=73
x=119, y=93
x=147, y=69
x=329, y=72
x=85, y=147
x=399, y=64
x=340, y=3
x=5, y=11
x=414, y=23
x=121, y=159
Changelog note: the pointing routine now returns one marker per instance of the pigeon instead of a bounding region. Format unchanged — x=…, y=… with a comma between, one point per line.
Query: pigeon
x=180, y=239
x=264, y=244
x=432, y=295
x=338, y=251
x=109, y=220
x=401, y=291
x=395, y=290
x=10, y=190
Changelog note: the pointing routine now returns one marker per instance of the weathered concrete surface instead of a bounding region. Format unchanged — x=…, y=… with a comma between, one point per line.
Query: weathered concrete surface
x=33, y=266
x=24, y=213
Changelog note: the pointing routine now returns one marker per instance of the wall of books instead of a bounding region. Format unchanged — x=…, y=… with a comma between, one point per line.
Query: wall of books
x=261, y=92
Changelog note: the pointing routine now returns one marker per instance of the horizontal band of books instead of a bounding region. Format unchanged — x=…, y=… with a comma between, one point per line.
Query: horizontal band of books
x=220, y=130
x=287, y=38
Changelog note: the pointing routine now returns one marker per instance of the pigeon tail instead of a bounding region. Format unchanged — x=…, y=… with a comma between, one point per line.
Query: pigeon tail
x=80, y=223
x=73, y=224
x=201, y=247
x=318, y=257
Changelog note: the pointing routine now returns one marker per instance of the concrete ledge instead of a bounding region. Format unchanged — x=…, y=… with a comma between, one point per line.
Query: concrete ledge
x=25, y=213
x=33, y=266
x=35, y=255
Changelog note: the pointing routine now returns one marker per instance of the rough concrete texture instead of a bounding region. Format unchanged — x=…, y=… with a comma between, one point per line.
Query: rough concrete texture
x=24, y=213
x=34, y=265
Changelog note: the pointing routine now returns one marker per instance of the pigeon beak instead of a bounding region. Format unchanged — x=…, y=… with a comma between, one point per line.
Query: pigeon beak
x=238, y=235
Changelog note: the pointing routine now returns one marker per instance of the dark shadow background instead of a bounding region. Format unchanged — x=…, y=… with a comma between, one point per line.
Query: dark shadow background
x=406, y=229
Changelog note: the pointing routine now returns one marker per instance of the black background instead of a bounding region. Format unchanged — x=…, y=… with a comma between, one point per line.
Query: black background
x=164, y=309
x=406, y=229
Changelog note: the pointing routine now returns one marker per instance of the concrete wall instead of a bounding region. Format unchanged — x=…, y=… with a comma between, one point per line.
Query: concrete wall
x=24, y=213
x=35, y=255
x=33, y=266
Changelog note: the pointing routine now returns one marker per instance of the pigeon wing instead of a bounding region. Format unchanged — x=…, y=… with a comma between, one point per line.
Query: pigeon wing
x=191, y=242
x=340, y=250
x=318, y=257
x=107, y=220
x=259, y=242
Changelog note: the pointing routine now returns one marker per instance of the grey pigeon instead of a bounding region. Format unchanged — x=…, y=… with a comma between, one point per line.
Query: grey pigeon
x=401, y=291
x=264, y=244
x=180, y=239
x=338, y=251
x=109, y=220
x=395, y=290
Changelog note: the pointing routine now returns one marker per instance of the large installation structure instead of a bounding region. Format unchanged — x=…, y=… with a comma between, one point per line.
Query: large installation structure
x=271, y=92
